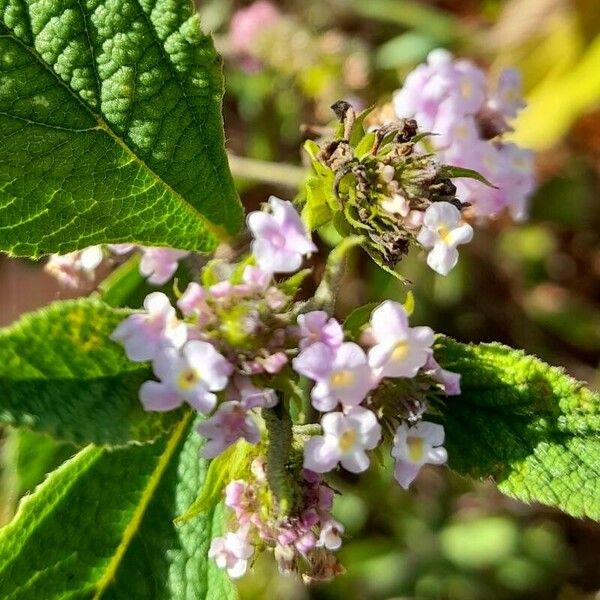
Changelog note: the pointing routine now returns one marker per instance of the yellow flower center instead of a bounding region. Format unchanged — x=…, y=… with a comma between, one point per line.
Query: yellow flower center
x=466, y=88
x=188, y=378
x=400, y=351
x=416, y=448
x=443, y=232
x=342, y=378
x=347, y=440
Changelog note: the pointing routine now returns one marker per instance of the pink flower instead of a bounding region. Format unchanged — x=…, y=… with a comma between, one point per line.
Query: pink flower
x=242, y=389
x=280, y=238
x=399, y=350
x=144, y=334
x=450, y=381
x=317, y=326
x=193, y=302
x=416, y=446
x=450, y=99
x=342, y=374
x=230, y=423
x=247, y=23
x=160, y=264
x=190, y=375
x=345, y=439
x=232, y=552
x=443, y=231
x=256, y=279
x=275, y=362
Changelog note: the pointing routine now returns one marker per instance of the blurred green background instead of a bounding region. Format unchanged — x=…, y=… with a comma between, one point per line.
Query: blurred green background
x=534, y=286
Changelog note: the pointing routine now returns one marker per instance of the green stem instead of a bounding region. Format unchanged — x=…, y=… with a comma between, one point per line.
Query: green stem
x=289, y=176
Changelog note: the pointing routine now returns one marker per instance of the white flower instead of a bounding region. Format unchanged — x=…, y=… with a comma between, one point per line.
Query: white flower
x=144, y=334
x=190, y=375
x=232, y=552
x=399, y=350
x=346, y=437
x=442, y=232
x=416, y=446
x=331, y=535
x=73, y=268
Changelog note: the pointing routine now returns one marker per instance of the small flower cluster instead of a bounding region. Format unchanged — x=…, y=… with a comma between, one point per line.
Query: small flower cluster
x=452, y=99
x=238, y=338
x=389, y=190
x=309, y=535
x=157, y=265
x=324, y=66
x=346, y=382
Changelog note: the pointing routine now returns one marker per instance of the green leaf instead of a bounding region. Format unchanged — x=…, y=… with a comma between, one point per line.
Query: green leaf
x=358, y=318
x=101, y=526
x=317, y=210
x=453, y=172
x=35, y=455
x=292, y=284
x=61, y=375
x=532, y=428
x=231, y=464
x=111, y=128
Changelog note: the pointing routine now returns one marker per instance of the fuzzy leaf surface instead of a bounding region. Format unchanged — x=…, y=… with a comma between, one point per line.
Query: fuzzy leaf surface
x=529, y=426
x=111, y=127
x=60, y=374
x=101, y=526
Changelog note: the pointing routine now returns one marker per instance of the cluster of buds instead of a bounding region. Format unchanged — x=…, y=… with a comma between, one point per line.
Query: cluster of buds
x=308, y=535
x=381, y=184
x=237, y=353
x=157, y=265
x=324, y=66
x=452, y=99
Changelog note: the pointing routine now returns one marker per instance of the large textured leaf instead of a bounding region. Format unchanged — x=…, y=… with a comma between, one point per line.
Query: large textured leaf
x=111, y=127
x=532, y=428
x=101, y=527
x=61, y=375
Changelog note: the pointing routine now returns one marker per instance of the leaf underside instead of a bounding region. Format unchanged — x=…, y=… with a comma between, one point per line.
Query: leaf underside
x=61, y=375
x=101, y=526
x=532, y=428
x=111, y=127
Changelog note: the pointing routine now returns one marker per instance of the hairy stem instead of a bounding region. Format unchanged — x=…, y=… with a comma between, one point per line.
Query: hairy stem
x=279, y=432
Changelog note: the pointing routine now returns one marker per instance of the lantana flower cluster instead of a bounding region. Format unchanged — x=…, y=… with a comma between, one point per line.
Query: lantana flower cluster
x=453, y=99
x=237, y=347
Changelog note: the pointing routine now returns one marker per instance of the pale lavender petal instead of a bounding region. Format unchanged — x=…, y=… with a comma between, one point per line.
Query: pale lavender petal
x=201, y=400
x=389, y=321
x=406, y=472
x=433, y=433
x=322, y=398
x=442, y=258
x=314, y=362
x=334, y=423
x=156, y=396
x=319, y=456
x=355, y=461
x=437, y=456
